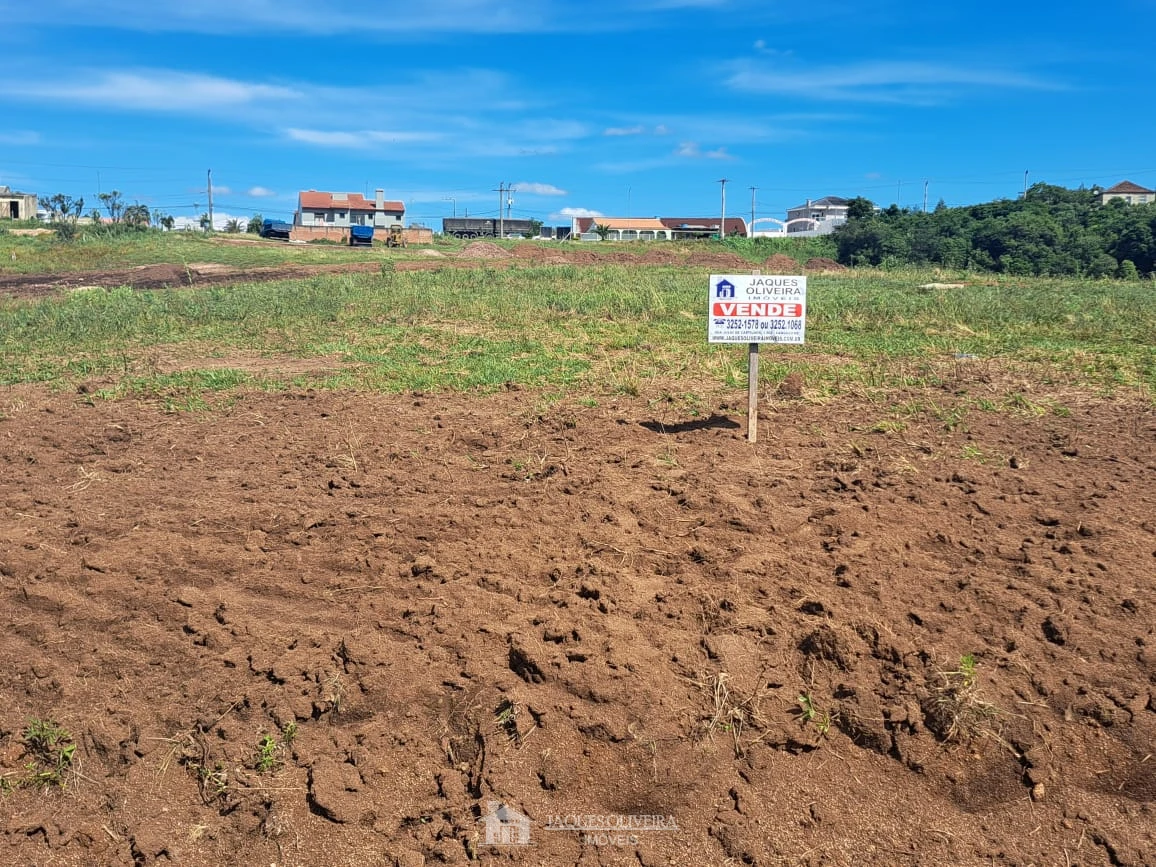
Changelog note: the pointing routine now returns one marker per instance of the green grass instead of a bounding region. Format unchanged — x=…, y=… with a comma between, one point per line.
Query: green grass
x=606, y=328
x=91, y=251
x=50, y=749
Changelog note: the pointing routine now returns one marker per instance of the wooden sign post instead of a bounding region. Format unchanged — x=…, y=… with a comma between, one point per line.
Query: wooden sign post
x=753, y=392
x=755, y=309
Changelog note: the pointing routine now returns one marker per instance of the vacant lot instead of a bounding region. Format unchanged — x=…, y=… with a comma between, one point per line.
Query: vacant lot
x=298, y=625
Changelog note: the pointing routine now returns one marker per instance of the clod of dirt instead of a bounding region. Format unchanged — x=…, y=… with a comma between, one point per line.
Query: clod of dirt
x=332, y=790
x=1055, y=631
x=792, y=385
x=781, y=264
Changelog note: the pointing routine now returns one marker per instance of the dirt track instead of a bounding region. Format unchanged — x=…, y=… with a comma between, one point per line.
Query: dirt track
x=607, y=610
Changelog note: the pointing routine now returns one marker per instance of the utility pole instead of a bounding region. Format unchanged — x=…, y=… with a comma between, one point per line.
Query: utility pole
x=1025, y=183
x=501, y=209
x=899, y=194
x=722, y=226
x=210, y=200
x=925, y=195
x=509, y=199
x=751, y=230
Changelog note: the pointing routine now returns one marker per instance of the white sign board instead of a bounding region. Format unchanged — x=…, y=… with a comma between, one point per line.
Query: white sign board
x=757, y=309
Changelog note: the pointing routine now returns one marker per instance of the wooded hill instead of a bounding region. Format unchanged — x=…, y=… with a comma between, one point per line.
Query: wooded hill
x=1050, y=231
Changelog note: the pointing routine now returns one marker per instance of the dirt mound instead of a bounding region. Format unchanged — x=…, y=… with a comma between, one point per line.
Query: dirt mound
x=820, y=263
x=781, y=264
x=484, y=250
x=329, y=628
x=656, y=255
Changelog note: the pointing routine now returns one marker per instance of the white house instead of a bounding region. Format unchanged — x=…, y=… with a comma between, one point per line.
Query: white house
x=818, y=217
x=342, y=210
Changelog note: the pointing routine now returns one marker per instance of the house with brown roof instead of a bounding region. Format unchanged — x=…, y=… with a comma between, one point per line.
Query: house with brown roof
x=341, y=210
x=685, y=228
x=1133, y=194
x=622, y=228
x=656, y=228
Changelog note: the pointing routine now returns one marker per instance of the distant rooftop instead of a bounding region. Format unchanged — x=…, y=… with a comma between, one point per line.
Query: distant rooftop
x=1127, y=187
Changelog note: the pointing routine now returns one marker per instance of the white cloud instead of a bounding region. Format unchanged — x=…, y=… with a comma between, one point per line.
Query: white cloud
x=309, y=16
x=260, y=192
x=19, y=137
x=571, y=213
x=153, y=90
x=625, y=130
x=357, y=140
x=637, y=129
x=691, y=150
x=879, y=81
x=534, y=189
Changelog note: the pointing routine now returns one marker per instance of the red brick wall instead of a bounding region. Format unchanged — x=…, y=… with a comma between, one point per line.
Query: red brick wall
x=340, y=234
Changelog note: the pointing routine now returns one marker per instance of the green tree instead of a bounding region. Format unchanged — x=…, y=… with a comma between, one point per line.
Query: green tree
x=860, y=208
x=62, y=208
x=113, y=204
x=254, y=227
x=602, y=231
x=233, y=226
x=137, y=216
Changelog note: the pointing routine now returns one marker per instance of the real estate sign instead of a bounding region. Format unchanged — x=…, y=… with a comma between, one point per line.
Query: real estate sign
x=757, y=308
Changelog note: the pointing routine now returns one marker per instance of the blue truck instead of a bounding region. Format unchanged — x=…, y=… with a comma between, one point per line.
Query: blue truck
x=276, y=229
x=361, y=236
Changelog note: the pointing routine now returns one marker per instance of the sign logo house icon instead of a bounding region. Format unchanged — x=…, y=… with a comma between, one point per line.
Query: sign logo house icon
x=724, y=289
x=505, y=826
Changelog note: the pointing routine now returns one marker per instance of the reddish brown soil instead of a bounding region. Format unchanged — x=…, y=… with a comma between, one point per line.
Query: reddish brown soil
x=609, y=609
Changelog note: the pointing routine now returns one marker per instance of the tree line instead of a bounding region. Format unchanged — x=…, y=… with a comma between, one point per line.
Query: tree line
x=64, y=213
x=1050, y=231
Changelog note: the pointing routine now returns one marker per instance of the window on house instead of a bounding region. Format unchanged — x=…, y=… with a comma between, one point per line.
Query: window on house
x=329, y=217
x=319, y=216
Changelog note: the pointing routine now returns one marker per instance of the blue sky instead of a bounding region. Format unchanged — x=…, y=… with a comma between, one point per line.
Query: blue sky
x=627, y=108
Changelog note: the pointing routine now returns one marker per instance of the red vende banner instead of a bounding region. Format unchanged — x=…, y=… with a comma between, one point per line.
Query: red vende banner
x=756, y=308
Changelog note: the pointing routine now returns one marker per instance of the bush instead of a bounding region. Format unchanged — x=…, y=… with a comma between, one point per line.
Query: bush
x=1128, y=271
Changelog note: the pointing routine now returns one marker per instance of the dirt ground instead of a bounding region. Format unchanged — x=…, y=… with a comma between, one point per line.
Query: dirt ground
x=320, y=628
